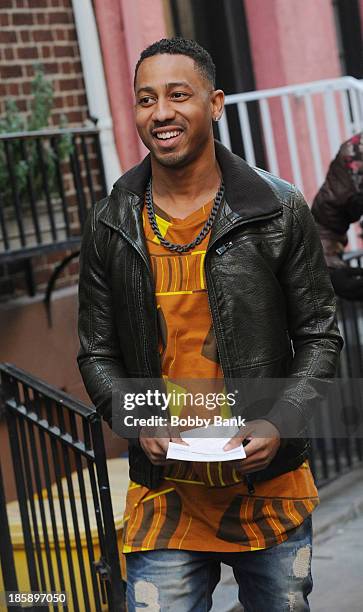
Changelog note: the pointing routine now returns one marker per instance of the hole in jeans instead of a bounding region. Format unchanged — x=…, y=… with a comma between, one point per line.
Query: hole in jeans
x=301, y=564
x=147, y=596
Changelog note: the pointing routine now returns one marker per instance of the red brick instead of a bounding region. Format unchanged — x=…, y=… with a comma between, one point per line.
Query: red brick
x=9, y=53
x=34, y=4
x=40, y=261
x=7, y=36
x=6, y=4
x=11, y=72
x=60, y=35
x=4, y=19
x=29, y=70
x=42, y=18
x=68, y=84
x=13, y=89
x=46, y=52
x=26, y=88
x=70, y=35
x=41, y=276
x=67, y=67
x=27, y=53
x=24, y=35
x=53, y=258
x=63, y=51
x=21, y=3
x=60, y=17
x=22, y=19
x=50, y=67
x=75, y=117
x=58, y=102
x=42, y=35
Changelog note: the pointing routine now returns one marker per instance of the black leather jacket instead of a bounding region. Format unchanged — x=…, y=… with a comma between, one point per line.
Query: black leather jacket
x=271, y=299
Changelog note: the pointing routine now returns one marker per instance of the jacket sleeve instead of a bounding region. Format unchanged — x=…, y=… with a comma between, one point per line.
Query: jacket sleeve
x=99, y=358
x=339, y=201
x=312, y=324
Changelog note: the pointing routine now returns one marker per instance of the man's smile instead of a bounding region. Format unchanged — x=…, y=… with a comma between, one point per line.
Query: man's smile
x=167, y=136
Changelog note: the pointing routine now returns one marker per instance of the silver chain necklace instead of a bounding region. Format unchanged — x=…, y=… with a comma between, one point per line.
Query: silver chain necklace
x=181, y=248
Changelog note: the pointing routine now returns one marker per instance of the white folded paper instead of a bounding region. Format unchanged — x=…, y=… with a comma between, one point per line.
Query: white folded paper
x=206, y=447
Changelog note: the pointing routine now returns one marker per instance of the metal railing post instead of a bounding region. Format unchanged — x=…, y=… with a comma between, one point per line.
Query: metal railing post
x=117, y=594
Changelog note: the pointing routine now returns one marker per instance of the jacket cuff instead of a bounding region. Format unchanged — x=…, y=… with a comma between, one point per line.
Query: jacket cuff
x=288, y=419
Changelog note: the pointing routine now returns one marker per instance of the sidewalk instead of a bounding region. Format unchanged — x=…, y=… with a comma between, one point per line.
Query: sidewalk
x=338, y=570
x=340, y=502
x=337, y=552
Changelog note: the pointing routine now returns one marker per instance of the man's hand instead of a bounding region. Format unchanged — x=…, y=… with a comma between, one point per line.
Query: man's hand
x=263, y=441
x=154, y=442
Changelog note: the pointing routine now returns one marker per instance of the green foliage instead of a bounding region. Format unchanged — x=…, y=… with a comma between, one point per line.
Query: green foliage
x=27, y=169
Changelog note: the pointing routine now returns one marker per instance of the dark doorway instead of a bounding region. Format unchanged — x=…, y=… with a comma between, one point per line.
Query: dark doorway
x=221, y=28
x=349, y=31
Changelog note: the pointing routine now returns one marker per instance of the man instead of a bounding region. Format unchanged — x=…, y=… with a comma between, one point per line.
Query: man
x=200, y=267
x=338, y=203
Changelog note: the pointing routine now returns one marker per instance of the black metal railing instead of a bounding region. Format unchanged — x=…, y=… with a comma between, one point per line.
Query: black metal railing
x=48, y=181
x=332, y=456
x=58, y=453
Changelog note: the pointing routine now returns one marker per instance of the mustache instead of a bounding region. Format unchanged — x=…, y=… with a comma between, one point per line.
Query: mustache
x=162, y=124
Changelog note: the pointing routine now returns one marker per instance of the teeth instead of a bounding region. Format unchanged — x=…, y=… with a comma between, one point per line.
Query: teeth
x=166, y=135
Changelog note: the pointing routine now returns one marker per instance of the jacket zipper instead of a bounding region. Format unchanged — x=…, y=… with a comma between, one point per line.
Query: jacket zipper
x=220, y=251
x=243, y=222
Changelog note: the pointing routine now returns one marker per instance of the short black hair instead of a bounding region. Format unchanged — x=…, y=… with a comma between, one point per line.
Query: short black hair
x=182, y=46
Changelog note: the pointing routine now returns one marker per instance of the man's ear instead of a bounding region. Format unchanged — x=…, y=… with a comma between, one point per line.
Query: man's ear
x=217, y=103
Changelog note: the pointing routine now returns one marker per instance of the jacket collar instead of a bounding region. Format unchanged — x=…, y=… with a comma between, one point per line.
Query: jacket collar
x=247, y=194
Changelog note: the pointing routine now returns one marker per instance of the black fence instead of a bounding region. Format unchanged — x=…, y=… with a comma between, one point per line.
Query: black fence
x=331, y=456
x=48, y=181
x=62, y=485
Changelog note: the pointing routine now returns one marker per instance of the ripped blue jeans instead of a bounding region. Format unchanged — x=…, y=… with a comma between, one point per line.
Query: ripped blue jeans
x=276, y=579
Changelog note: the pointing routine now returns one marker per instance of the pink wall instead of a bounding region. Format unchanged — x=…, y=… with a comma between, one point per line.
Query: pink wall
x=125, y=28
x=293, y=42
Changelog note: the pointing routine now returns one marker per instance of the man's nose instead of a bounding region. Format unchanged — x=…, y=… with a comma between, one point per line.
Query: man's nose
x=163, y=110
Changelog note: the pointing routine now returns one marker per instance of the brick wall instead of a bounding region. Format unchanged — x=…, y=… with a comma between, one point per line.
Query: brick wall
x=40, y=31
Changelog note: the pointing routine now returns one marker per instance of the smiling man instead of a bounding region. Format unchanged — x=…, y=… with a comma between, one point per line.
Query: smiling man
x=200, y=267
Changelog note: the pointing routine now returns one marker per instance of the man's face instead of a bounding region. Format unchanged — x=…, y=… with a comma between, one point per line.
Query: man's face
x=174, y=108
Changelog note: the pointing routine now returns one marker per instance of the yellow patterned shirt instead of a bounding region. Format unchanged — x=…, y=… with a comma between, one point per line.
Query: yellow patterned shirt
x=203, y=506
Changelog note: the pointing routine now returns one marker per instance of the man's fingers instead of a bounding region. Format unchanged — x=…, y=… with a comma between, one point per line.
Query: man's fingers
x=254, y=446
x=155, y=449
x=179, y=441
x=236, y=441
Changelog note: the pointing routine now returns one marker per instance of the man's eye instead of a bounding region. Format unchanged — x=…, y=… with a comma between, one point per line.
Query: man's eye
x=146, y=100
x=179, y=95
